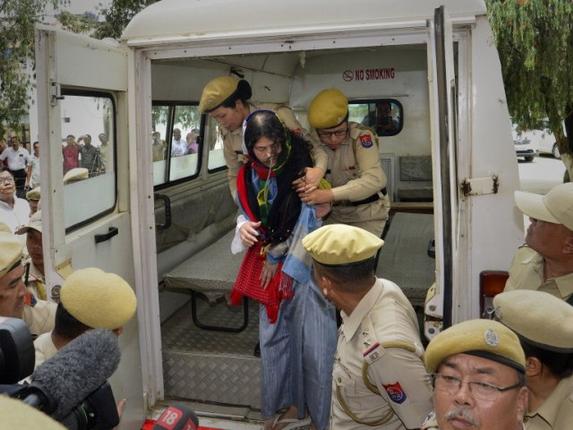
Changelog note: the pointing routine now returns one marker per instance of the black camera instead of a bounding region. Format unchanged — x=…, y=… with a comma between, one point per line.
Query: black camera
x=97, y=411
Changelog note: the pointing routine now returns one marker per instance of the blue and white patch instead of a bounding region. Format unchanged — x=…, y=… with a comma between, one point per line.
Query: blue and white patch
x=396, y=392
x=366, y=140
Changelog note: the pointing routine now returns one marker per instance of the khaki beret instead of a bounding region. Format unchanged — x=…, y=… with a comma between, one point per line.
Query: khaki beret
x=98, y=299
x=76, y=174
x=33, y=194
x=11, y=248
x=328, y=109
x=540, y=318
x=218, y=90
x=339, y=244
x=555, y=207
x=35, y=223
x=485, y=338
x=18, y=415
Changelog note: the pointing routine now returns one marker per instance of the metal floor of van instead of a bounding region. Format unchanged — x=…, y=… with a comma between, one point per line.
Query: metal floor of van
x=209, y=366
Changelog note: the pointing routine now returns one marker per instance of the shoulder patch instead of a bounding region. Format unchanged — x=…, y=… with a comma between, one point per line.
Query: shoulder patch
x=396, y=392
x=366, y=140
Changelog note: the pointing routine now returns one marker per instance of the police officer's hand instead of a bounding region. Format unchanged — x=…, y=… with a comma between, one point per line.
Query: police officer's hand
x=248, y=232
x=267, y=273
x=309, y=182
x=317, y=197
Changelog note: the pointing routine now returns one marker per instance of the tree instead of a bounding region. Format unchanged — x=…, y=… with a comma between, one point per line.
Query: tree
x=535, y=43
x=117, y=16
x=17, y=19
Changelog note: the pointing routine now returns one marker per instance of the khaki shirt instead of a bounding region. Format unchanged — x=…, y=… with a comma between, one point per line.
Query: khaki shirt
x=526, y=273
x=383, y=317
x=556, y=412
x=233, y=142
x=355, y=172
x=45, y=348
x=430, y=423
x=41, y=317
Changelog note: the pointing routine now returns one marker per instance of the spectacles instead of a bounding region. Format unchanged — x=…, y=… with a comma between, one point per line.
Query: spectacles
x=480, y=390
x=337, y=133
x=6, y=180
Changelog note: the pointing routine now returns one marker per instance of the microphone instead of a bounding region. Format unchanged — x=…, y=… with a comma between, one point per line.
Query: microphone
x=177, y=417
x=78, y=369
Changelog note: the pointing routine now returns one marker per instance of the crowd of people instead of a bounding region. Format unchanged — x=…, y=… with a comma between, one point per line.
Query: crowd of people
x=179, y=147
x=313, y=208
x=81, y=153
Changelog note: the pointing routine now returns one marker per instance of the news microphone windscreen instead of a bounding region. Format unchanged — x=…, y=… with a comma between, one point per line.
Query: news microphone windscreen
x=77, y=370
x=177, y=417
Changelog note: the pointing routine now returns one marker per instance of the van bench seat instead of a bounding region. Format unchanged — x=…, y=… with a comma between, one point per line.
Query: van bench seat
x=210, y=272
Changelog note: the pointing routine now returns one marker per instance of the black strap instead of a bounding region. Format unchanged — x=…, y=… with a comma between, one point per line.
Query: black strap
x=570, y=300
x=369, y=199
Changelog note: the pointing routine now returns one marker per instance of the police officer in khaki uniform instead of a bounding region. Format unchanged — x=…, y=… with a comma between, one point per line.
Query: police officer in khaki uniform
x=14, y=299
x=478, y=371
x=90, y=298
x=379, y=381
x=226, y=100
x=544, y=324
x=545, y=263
x=354, y=170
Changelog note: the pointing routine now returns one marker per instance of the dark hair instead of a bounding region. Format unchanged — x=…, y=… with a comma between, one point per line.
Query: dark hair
x=66, y=325
x=264, y=123
x=286, y=207
x=242, y=93
x=348, y=274
x=560, y=364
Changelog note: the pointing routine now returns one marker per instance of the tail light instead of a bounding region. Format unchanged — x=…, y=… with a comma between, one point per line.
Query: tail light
x=491, y=283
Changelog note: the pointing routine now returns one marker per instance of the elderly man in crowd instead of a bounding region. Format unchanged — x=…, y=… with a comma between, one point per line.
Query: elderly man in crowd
x=544, y=324
x=17, y=159
x=478, y=369
x=545, y=262
x=14, y=211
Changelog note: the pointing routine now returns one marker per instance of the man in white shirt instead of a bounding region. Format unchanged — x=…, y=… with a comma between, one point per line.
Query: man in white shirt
x=14, y=211
x=17, y=159
x=178, y=145
x=33, y=172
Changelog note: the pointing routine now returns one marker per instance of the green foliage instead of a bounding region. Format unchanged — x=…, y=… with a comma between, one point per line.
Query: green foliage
x=535, y=43
x=85, y=23
x=118, y=15
x=17, y=19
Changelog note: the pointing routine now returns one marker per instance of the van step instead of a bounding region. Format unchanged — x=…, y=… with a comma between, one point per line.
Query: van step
x=208, y=366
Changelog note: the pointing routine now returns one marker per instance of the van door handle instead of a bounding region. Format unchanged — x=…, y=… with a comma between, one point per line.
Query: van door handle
x=167, y=204
x=113, y=231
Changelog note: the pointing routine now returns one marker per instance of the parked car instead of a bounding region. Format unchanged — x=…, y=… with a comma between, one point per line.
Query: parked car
x=524, y=143
x=542, y=139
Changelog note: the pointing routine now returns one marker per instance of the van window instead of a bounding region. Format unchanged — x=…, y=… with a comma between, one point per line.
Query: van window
x=88, y=152
x=176, y=142
x=384, y=116
x=214, y=142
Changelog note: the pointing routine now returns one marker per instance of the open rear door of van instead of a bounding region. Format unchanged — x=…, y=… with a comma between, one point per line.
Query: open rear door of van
x=443, y=123
x=83, y=134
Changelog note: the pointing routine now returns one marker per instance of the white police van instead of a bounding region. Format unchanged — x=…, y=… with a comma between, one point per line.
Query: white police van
x=426, y=77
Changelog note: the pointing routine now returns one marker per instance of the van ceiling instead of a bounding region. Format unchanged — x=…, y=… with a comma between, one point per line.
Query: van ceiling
x=282, y=63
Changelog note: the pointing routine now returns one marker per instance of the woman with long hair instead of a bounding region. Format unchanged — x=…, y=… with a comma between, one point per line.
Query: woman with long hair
x=297, y=326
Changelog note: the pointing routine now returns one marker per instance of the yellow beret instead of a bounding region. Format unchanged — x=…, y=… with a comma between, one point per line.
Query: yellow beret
x=327, y=109
x=339, y=244
x=486, y=338
x=217, y=91
x=18, y=415
x=11, y=248
x=540, y=318
x=33, y=194
x=98, y=299
x=76, y=174
x=35, y=223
